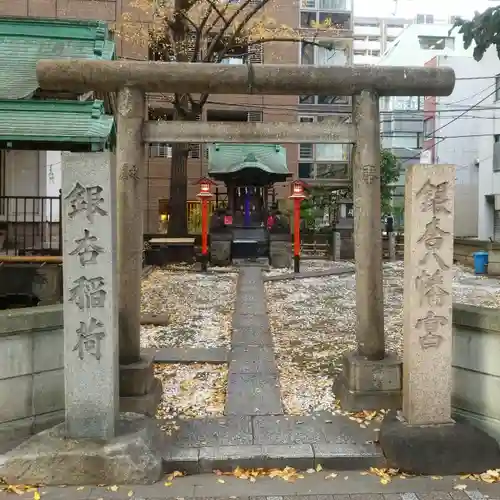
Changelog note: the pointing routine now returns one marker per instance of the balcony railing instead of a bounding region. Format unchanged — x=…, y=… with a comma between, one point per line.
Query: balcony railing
x=30, y=225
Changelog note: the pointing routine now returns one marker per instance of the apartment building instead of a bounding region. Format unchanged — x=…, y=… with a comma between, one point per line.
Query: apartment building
x=402, y=118
x=313, y=163
x=374, y=35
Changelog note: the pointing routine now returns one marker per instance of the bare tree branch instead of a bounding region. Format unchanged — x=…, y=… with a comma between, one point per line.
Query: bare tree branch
x=218, y=39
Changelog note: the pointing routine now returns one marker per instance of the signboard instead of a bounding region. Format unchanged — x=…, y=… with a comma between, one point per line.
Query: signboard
x=228, y=220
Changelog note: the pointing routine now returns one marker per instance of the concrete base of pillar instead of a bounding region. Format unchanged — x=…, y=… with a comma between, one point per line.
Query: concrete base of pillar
x=220, y=251
x=280, y=253
x=140, y=391
x=49, y=458
x=369, y=385
x=392, y=246
x=445, y=449
x=336, y=246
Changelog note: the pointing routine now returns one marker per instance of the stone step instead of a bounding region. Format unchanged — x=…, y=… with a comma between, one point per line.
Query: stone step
x=332, y=441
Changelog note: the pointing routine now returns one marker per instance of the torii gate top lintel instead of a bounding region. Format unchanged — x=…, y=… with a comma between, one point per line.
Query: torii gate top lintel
x=270, y=79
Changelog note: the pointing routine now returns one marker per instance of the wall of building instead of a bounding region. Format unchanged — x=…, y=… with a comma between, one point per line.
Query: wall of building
x=476, y=371
x=457, y=140
x=32, y=369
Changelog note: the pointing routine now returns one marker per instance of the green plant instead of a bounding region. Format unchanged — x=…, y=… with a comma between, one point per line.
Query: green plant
x=483, y=29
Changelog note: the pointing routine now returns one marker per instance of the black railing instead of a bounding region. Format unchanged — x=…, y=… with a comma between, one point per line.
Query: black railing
x=30, y=225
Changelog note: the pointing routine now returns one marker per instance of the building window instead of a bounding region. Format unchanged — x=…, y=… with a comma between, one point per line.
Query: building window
x=324, y=161
x=326, y=4
x=496, y=153
x=326, y=55
x=323, y=56
x=313, y=18
x=497, y=88
x=436, y=42
x=160, y=150
x=429, y=128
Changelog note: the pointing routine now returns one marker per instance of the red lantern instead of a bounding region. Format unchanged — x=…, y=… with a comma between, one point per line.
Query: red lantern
x=297, y=196
x=204, y=195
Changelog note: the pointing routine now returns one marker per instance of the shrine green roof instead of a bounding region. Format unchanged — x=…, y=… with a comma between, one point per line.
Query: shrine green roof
x=25, y=41
x=58, y=125
x=232, y=158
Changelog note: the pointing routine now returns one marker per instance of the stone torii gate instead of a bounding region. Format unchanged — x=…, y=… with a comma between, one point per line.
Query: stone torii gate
x=132, y=79
x=98, y=444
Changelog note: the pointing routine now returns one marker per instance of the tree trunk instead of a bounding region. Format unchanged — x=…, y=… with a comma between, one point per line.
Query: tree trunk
x=177, y=204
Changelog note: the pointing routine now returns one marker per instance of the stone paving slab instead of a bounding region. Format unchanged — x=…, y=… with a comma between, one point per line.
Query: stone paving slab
x=222, y=431
x=252, y=359
x=349, y=485
x=310, y=274
x=214, y=355
x=256, y=320
x=251, y=336
x=253, y=394
x=320, y=428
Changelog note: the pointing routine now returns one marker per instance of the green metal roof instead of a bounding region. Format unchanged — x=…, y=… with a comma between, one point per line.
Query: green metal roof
x=60, y=122
x=25, y=41
x=231, y=158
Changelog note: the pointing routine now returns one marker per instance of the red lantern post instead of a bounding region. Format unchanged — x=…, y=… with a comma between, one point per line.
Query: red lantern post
x=297, y=196
x=205, y=196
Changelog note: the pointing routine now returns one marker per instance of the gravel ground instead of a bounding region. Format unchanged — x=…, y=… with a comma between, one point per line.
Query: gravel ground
x=200, y=308
x=313, y=324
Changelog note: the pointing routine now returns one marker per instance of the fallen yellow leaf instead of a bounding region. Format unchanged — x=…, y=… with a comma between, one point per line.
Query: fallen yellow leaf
x=385, y=481
x=130, y=493
x=221, y=481
x=460, y=487
x=436, y=477
x=319, y=468
x=36, y=495
x=168, y=483
x=114, y=488
x=80, y=488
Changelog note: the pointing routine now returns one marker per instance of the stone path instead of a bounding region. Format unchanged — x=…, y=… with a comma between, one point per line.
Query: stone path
x=254, y=432
x=253, y=385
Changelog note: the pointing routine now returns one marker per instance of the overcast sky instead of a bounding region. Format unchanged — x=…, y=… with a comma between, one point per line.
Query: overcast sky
x=409, y=8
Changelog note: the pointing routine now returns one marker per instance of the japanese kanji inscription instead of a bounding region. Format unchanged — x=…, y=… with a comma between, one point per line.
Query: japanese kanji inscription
x=90, y=335
x=86, y=200
x=428, y=279
x=87, y=249
x=433, y=199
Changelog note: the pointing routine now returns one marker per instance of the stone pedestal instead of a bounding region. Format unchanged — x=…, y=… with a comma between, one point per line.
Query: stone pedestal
x=366, y=385
x=280, y=251
x=220, y=249
x=140, y=391
x=132, y=456
x=336, y=246
x=423, y=438
x=494, y=263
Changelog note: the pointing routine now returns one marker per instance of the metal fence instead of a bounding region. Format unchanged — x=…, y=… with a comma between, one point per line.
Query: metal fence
x=30, y=225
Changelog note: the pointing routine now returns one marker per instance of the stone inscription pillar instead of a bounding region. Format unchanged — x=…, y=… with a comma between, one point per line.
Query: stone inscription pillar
x=367, y=227
x=427, y=373
x=129, y=158
x=90, y=295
